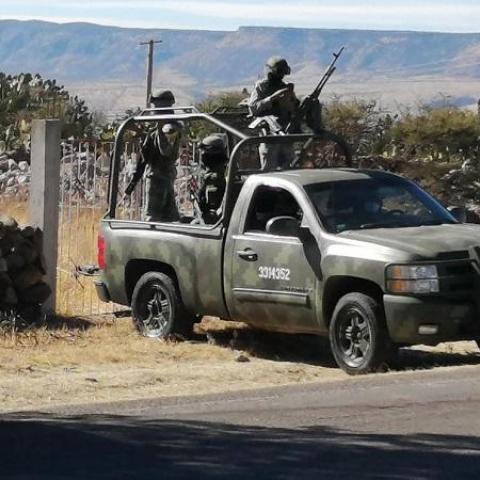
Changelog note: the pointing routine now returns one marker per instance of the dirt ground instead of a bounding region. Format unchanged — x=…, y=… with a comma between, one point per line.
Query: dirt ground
x=82, y=361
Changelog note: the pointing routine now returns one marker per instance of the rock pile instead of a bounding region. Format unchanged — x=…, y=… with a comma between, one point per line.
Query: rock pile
x=22, y=269
x=14, y=177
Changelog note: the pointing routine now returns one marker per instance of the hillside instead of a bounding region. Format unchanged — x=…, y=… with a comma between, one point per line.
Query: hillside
x=107, y=64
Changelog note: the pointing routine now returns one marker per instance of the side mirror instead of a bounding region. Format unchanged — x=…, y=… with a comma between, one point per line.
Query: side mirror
x=460, y=213
x=283, y=226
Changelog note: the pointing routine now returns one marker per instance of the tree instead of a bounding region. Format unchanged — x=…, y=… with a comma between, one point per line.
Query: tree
x=221, y=99
x=445, y=132
x=361, y=123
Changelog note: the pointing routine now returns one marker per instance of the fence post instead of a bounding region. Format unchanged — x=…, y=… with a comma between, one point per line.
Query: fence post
x=44, y=194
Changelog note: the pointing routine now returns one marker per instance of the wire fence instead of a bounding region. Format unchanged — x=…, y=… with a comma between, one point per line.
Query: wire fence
x=84, y=184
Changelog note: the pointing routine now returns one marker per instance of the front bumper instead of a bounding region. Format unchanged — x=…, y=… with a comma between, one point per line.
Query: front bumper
x=408, y=316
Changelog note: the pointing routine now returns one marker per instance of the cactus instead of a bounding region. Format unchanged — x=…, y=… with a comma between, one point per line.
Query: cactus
x=25, y=97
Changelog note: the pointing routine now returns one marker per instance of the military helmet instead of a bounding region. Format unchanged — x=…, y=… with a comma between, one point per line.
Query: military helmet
x=278, y=65
x=162, y=96
x=213, y=144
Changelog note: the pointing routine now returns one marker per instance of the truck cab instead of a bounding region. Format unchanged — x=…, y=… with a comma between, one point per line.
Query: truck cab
x=365, y=257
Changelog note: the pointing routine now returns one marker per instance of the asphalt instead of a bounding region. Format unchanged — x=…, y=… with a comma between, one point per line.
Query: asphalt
x=413, y=425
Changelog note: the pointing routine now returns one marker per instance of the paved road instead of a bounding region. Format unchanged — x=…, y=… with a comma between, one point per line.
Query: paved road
x=402, y=426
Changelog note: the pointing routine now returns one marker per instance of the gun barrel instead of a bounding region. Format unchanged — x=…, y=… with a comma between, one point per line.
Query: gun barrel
x=304, y=105
x=324, y=81
x=328, y=73
x=336, y=55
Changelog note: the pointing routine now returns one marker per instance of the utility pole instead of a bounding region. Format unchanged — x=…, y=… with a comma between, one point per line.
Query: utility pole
x=150, y=44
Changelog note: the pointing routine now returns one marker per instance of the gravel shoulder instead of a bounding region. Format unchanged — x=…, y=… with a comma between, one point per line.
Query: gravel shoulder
x=80, y=361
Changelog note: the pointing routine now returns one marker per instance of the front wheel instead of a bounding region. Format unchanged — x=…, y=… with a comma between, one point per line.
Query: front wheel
x=358, y=335
x=157, y=310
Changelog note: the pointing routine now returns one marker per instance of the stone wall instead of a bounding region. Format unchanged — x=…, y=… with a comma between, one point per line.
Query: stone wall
x=14, y=177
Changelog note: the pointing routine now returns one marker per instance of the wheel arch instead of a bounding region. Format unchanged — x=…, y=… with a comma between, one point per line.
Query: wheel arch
x=338, y=286
x=138, y=267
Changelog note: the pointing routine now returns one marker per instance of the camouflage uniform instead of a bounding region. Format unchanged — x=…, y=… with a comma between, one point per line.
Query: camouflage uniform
x=215, y=159
x=160, y=152
x=263, y=102
x=160, y=155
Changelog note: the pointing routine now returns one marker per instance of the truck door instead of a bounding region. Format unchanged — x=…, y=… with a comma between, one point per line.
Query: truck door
x=273, y=284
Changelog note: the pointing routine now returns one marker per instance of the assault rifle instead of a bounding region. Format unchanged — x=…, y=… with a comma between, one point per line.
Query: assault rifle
x=194, y=188
x=307, y=103
x=137, y=176
x=269, y=123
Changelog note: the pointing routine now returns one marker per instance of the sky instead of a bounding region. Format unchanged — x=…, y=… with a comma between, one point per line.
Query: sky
x=423, y=15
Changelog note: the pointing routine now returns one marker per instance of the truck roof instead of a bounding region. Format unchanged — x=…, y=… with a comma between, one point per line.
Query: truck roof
x=321, y=175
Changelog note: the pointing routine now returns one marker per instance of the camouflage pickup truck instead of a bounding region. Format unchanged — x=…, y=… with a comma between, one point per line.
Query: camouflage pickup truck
x=363, y=256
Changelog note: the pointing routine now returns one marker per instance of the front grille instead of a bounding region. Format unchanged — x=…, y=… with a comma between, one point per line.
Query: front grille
x=456, y=255
x=458, y=278
x=458, y=287
x=460, y=269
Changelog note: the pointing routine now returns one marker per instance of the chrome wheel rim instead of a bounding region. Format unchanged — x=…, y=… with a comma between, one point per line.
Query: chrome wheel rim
x=155, y=311
x=354, y=337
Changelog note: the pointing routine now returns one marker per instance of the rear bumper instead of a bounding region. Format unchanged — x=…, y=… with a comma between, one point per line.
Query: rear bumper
x=102, y=291
x=408, y=319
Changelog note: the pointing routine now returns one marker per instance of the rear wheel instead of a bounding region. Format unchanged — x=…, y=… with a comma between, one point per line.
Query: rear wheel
x=157, y=310
x=358, y=335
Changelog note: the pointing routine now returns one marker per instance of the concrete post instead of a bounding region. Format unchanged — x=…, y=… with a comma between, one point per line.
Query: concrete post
x=44, y=194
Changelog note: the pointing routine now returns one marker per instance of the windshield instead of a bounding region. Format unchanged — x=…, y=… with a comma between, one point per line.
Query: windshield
x=381, y=201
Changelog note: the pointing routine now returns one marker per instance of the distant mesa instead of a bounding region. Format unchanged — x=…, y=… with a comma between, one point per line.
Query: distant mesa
x=376, y=64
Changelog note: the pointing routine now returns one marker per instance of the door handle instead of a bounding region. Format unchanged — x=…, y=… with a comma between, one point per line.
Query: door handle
x=248, y=255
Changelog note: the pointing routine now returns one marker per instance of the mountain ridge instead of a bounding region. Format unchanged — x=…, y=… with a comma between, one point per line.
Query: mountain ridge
x=195, y=62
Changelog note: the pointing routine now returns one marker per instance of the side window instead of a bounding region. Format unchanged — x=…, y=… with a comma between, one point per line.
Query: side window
x=268, y=203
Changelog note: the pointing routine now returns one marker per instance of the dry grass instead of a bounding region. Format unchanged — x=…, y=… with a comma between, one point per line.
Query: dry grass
x=84, y=362
x=79, y=361
x=17, y=209
x=108, y=342
x=77, y=246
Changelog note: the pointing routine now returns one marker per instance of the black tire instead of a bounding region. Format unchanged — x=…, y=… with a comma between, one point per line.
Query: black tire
x=358, y=334
x=157, y=310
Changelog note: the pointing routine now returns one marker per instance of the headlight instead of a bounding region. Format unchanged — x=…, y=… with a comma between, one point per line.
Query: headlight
x=412, y=279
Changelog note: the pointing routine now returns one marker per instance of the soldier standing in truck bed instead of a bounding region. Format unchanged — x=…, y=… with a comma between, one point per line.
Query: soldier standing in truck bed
x=273, y=97
x=158, y=159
